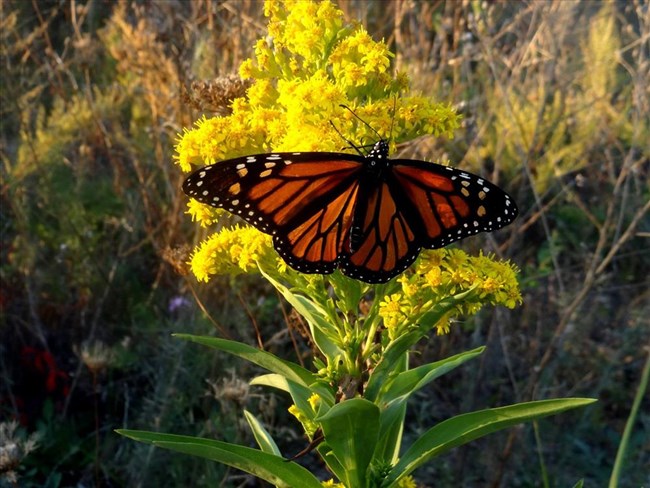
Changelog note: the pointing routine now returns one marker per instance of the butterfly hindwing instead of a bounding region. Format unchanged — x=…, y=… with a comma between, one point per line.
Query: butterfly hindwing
x=384, y=238
x=452, y=204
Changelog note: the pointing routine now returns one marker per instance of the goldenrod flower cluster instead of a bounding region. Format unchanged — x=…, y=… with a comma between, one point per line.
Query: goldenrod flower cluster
x=442, y=273
x=232, y=251
x=310, y=64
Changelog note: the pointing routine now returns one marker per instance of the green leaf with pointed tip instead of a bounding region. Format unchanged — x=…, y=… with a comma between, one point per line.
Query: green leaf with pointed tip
x=299, y=394
x=462, y=429
x=386, y=367
x=263, y=359
x=262, y=436
x=391, y=427
x=271, y=468
x=410, y=381
x=321, y=330
x=351, y=429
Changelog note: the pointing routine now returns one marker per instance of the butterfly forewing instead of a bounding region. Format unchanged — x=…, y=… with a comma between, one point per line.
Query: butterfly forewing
x=305, y=200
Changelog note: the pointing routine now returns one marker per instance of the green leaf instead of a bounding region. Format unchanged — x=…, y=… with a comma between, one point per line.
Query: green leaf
x=462, y=429
x=351, y=429
x=263, y=359
x=322, y=331
x=268, y=467
x=391, y=426
x=408, y=382
x=431, y=318
x=262, y=436
x=298, y=393
x=386, y=367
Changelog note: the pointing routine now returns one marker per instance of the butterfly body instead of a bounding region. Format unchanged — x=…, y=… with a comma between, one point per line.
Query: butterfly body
x=368, y=215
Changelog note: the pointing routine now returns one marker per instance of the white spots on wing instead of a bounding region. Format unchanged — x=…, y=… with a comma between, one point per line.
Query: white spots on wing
x=465, y=175
x=199, y=183
x=273, y=157
x=240, y=166
x=251, y=159
x=235, y=202
x=202, y=174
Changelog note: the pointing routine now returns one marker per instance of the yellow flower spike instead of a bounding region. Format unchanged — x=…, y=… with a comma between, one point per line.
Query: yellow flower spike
x=309, y=425
x=314, y=400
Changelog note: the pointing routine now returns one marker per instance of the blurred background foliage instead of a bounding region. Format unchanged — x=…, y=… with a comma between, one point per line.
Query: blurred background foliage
x=94, y=241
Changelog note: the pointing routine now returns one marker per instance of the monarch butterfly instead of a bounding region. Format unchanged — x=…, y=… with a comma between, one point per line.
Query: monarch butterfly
x=366, y=214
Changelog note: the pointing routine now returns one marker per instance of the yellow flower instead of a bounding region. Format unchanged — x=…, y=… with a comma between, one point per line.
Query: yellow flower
x=314, y=400
x=231, y=251
x=442, y=326
x=309, y=425
x=332, y=484
x=204, y=214
x=407, y=482
x=433, y=277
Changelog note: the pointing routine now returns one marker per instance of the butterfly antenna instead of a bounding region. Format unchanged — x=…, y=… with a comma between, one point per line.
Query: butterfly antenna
x=392, y=123
x=362, y=121
x=352, y=144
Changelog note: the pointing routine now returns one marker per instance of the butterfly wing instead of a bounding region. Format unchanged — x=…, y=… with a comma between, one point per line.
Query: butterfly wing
x=305, y=200
x=384, y=235
x=452, y=204
x=419, y=205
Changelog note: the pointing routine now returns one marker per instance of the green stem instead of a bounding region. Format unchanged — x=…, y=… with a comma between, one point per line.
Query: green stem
x=627, y=432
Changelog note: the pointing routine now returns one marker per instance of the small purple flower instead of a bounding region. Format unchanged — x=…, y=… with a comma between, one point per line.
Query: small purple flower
x=176, y=303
